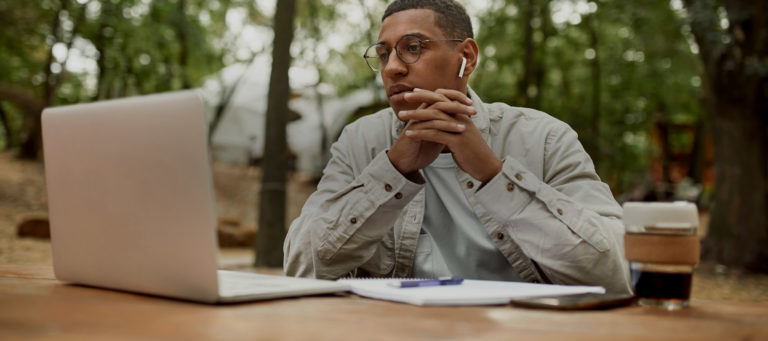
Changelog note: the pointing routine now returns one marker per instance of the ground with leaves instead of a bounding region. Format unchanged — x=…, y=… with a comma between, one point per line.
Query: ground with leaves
x=22, y=192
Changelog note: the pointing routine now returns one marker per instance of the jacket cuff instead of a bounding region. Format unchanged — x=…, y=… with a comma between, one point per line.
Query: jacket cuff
x=509, y=192
x=384, y=182
x=513, y=189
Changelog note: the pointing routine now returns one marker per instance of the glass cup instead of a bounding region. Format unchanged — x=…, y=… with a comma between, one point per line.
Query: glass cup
x=662, y=248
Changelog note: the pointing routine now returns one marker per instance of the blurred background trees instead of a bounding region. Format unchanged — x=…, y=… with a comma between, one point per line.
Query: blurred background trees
x=269, y=251
x=668, y=96
x=733, y=39
x=66, y=51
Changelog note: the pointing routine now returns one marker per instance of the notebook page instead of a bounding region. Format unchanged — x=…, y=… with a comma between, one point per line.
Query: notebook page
x=470, y=292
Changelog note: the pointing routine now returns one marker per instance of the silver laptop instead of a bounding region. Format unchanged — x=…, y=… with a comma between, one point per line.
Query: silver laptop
x=131, y=203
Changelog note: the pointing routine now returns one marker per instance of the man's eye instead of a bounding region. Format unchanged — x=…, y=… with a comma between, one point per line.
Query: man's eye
x=382, y=53
x=412, y=48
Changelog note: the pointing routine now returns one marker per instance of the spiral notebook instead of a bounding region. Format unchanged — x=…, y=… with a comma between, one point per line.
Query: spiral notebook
x=470, y=292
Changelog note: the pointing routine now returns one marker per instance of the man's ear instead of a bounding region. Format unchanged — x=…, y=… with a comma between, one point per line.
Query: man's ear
x=468, y=49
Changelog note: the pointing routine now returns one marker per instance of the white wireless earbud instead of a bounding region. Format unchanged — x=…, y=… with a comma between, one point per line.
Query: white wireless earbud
x=463, y=66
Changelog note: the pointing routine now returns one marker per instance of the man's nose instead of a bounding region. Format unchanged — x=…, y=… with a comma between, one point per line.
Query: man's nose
x=394, y=66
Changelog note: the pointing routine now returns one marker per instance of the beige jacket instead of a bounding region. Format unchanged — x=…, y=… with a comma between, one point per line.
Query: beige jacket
x=547, y=210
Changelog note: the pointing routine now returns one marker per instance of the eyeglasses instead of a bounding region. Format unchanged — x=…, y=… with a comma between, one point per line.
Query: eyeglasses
x=408, y=49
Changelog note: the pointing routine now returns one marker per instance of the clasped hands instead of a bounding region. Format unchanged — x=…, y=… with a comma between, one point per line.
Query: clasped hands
x=443, y=122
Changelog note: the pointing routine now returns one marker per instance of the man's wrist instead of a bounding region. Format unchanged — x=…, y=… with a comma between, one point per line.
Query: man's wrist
x=393, y=159
x=411, y=175
x=493, y=171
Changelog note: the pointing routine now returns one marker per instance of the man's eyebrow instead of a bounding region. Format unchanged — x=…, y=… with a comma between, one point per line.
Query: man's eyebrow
x=416, y=34
x=413, y=34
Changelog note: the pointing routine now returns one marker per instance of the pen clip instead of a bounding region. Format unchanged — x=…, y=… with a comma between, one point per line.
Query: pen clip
x=453, y=280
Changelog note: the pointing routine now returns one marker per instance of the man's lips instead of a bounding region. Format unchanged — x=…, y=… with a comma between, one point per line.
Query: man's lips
x=396, y=94
x=398, y=91
x=398, y=97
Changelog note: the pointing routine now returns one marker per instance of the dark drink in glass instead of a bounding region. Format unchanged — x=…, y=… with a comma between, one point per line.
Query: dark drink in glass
x=662, y=247
x=657, y=288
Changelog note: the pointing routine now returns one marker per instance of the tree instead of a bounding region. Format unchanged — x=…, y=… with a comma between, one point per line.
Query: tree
x=65, y=20
x=5, y=125
x=594, y=50
x=269, y=243
x=135, y=46
x=731, y=36
x=597, y=65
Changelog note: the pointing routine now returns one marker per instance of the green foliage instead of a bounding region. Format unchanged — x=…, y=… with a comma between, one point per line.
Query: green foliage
x=634, y=58
x=322, y=25
x=647, y=74
x=66, y=51
x=25, y=32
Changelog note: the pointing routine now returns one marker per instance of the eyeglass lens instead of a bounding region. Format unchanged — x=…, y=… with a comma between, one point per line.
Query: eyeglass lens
x=408, y=49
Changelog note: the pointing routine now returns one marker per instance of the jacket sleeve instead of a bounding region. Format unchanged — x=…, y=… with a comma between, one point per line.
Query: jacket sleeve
x=342, y=224
x=567, y=222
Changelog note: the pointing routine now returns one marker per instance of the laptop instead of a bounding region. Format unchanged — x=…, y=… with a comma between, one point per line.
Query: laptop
x=131, y=203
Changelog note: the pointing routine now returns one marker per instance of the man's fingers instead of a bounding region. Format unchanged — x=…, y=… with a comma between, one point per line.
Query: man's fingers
x=424, y=115
x=432, y=135
x=454, y=108
x=455, y=96
x=447, y=111
x=439, y=95
x=446, y=126
x=425, y=96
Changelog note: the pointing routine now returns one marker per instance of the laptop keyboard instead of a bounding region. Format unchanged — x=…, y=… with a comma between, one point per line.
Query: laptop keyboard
x=237, y=283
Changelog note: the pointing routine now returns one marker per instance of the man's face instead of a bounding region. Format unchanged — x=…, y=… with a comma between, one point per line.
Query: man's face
x=437, y=68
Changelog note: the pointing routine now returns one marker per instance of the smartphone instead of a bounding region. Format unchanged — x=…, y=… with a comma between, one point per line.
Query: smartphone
x=575, y=302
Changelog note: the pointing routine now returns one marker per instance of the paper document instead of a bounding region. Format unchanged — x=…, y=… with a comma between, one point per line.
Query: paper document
x=470, y=292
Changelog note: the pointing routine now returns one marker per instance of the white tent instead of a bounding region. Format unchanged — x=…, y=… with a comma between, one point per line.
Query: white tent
x=239, y=135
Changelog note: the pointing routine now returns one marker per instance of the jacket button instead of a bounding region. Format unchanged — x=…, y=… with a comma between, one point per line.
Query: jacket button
x=499, y=236
x=353, y=220
x=518, y=177
x=559, y=211
x=510, y=187
x=398, y=195
x=388, y=188
x=470, y=184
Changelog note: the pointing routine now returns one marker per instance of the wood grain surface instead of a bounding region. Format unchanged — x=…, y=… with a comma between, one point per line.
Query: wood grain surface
x=33, y=305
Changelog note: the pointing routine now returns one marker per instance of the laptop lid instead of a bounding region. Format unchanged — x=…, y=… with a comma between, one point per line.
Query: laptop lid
x=130, y=195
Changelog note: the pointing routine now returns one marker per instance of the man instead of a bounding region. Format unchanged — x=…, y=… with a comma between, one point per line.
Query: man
x=444, y=184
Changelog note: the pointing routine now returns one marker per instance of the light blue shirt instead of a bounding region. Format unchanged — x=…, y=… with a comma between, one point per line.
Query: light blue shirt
x=453, y=241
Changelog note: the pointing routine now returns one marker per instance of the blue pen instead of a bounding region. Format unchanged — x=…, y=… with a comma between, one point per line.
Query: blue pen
x=455, y=280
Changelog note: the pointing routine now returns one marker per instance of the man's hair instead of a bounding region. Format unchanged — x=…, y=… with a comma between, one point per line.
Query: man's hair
x=450, y=16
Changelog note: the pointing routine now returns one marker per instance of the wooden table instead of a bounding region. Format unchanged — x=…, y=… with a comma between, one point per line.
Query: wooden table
x=34, y=305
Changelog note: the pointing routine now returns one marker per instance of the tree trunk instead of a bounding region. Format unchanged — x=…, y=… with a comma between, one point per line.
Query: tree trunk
x=271, y=233
x=31, y=147
x=315, y=32
x=738, y=106
x=528, y=16
x=23, y=99
x=102, y=43
x=698, y=154
x=738, y=228
x=594, y=140
x=6, y=126
x=547, y=30
x=182, y=26
x=324, y=150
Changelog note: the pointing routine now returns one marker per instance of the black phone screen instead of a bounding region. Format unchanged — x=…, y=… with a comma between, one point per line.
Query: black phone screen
x=575, y=302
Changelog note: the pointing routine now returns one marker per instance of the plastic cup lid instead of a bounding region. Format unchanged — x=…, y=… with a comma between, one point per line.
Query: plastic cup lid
x=663, y=215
